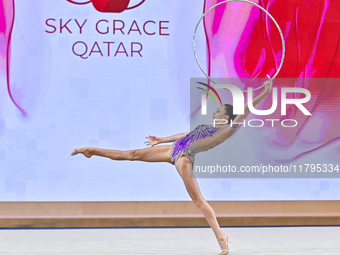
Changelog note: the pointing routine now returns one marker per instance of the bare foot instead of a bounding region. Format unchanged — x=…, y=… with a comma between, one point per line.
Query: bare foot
x=75, y=152
x=87, y=152
x=224, y=244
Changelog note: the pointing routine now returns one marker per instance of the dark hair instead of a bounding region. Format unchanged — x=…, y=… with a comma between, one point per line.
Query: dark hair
x=229, y=111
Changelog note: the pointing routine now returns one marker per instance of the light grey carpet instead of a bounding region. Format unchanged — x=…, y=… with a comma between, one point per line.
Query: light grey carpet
x=186, y=241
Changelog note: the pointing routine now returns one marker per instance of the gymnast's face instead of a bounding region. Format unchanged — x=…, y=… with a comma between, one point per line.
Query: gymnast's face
x=220, y=113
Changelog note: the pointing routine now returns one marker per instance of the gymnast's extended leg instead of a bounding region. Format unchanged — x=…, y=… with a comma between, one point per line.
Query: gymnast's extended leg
x=151, y=154
x=184, y=168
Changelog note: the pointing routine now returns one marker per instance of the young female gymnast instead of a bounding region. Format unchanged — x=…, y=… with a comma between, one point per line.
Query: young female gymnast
x=182, y=154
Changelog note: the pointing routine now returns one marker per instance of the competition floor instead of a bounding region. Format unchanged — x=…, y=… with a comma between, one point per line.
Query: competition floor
x=186, y=241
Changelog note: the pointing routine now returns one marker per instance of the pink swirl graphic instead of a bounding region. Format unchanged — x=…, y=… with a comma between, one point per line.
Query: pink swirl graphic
x=312, y=31
x=114, y=6
x=7, y=14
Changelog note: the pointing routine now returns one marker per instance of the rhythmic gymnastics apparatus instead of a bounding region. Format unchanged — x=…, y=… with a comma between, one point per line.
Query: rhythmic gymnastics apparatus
x=182, y=154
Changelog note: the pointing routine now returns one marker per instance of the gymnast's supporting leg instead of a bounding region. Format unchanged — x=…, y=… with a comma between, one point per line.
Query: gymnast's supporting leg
x=184, y=168
x=150, y=154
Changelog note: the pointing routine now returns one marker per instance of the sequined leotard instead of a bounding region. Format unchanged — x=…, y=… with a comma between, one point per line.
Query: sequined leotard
x=202, y=138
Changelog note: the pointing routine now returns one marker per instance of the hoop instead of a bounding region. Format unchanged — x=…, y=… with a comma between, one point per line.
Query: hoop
x=277, y=25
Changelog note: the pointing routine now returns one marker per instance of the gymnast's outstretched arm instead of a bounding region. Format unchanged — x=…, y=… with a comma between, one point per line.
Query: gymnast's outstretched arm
x=157, y=140
x=268, y=87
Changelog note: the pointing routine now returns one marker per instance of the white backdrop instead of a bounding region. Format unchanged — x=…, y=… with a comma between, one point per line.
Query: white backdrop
x=109, y=102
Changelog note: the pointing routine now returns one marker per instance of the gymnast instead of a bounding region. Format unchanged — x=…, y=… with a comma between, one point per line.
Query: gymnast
x=181, y=154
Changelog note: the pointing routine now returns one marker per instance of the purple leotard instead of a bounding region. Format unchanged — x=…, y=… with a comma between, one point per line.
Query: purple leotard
x=200, y=139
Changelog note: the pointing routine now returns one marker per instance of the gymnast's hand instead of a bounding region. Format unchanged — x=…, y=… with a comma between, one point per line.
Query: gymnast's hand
x=268, y=85
x=153, y=140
